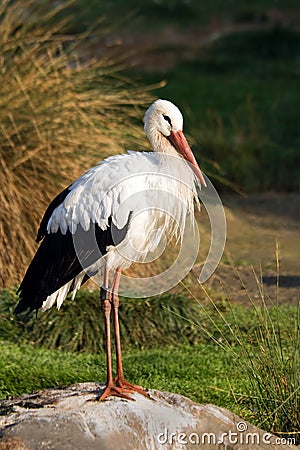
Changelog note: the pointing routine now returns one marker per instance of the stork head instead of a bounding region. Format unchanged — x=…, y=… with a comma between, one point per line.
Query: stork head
x=163, y=123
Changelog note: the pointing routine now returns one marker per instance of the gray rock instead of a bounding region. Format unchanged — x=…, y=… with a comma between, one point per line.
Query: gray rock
x=72, y=418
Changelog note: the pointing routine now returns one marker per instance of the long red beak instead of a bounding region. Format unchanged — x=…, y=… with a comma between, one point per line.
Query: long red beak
x=179, y=141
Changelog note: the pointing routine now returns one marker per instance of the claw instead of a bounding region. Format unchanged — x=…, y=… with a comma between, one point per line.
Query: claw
x=123, y=384
x=116, y=391
x=121, y=388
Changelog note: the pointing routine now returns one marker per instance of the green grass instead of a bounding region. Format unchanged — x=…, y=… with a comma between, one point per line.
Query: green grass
x=25, y=368
x=194, y=371
x=204, y=372
x=245, y=359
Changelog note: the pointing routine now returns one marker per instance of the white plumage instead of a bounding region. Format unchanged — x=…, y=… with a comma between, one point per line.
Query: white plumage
x=125, y=205
x=134, y=178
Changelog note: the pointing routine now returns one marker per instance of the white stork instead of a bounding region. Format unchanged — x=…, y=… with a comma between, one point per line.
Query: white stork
x=83, y=231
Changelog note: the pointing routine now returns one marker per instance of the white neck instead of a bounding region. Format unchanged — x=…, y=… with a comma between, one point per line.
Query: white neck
x=159, y=142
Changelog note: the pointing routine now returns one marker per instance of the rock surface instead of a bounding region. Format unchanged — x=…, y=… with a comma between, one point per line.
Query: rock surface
x=71, y=419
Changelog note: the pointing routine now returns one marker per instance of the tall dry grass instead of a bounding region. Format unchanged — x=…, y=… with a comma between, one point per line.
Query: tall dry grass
x=58, y=116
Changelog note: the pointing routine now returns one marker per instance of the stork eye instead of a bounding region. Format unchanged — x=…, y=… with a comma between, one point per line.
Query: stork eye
x=167, y=118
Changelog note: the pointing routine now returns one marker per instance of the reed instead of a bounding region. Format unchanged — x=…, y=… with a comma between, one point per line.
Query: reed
x=59, y=115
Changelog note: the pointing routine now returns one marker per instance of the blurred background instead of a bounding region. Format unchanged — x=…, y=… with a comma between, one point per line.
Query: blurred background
x=75, y=80
x=233, y=67
x=77, y=76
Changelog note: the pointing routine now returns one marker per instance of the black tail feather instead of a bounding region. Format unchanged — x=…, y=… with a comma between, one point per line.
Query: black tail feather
x=60, y=258
x=54, y=264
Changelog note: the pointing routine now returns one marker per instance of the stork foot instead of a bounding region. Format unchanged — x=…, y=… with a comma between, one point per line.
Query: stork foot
x=123, y=384
x=116, y=391
x=122, y=388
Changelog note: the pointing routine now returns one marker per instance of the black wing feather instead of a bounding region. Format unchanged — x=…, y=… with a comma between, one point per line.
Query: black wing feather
x=48, y=213
x=61, y=257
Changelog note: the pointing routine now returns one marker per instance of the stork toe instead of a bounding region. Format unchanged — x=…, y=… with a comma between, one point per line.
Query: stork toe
x=116, y=391
x=121, y=383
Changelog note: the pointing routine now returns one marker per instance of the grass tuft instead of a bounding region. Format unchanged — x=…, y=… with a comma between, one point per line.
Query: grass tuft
x=58, y=116
x=267, y=357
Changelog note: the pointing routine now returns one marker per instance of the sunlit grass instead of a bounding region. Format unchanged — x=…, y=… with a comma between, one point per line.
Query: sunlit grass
x=243, y=358
x=267, y=356
x=199, y=371
x=230, y=356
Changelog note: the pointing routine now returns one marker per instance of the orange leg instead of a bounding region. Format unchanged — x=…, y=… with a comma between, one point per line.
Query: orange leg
x=106, y=309
x=110, y=388
x=118, y=387
x=119, y=380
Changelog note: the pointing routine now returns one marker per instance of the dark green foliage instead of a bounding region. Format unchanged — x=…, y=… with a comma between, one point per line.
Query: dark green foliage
x=78, y=325
x=240, y=96
x=266, y=44
x=144, y=323
x=153, y=14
